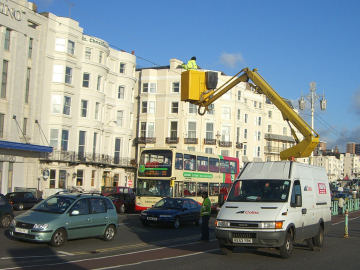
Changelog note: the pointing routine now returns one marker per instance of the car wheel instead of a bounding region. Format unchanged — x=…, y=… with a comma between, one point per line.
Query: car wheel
x=319, y=238
x=287, y=248
x=109, y=233
x=177, y=223
x=59, y=238
x=20, y=206
x=122, y=209
x=5, y=221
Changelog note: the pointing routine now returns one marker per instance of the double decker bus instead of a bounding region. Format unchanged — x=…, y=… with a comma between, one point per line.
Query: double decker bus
x=164, y=172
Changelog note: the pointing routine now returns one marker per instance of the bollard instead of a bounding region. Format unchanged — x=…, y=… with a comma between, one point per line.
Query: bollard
x=346, y=235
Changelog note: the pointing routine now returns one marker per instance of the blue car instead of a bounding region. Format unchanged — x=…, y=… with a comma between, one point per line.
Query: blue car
x=172, y=211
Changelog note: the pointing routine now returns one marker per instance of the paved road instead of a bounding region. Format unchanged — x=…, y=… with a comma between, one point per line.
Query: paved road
x=138, y=247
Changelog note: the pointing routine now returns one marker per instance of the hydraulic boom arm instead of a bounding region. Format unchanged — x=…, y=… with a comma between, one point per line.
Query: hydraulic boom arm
x=195, y=89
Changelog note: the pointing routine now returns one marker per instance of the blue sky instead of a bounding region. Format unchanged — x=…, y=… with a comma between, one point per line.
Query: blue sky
x=291, y=43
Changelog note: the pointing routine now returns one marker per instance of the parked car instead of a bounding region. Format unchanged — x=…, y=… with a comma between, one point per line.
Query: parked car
x=123, y=202
x=22, y=200
x=173, y=211
x=67, y=216
x=114, y=190
x=6, y=212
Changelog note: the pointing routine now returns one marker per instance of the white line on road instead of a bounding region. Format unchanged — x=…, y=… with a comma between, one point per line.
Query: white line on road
x=350, y=219
x=100, y=258
x=156, y=260
x=66, y=253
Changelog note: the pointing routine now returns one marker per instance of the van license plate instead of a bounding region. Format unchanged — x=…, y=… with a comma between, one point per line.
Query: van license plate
x=20, y=230
x=152, y=218
x=242, y=240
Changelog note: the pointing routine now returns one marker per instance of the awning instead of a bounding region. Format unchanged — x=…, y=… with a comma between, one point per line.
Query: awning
x=25, y=147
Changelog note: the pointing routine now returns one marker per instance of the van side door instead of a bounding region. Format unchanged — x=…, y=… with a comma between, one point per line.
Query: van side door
x=295, y=211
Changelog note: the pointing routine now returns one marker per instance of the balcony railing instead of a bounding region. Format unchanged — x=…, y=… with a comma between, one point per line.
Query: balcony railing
x=190, y=140
x=210, y=141
x=87, y=158
x=225, y=144
x=239, y=145
x=145, y=140
x=272, y=149
x=172, y=140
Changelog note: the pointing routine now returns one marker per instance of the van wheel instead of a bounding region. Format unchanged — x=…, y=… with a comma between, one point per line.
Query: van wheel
x=5, y=221
x=226, y=250
x=287, y=248
x=109, y=233
x=59, y=238
x=319, y=238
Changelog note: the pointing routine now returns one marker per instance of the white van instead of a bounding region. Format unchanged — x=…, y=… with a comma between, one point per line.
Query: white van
x=274, y=204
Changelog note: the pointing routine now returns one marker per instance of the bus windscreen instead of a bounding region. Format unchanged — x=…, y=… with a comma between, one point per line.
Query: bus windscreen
x=155, y=163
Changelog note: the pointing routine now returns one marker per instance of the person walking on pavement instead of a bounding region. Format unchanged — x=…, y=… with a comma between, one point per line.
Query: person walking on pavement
x=205, y=216
x=191, y=64
x=341, y=205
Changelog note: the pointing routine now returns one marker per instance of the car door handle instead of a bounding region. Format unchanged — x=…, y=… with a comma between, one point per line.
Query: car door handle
x=303, y=211
x=89, y=219
x=106, y=217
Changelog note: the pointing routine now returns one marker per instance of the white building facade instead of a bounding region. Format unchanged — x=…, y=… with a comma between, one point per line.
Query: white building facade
x=66, y=105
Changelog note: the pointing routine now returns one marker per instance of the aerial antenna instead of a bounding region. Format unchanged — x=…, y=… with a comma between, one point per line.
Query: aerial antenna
x=71, y=5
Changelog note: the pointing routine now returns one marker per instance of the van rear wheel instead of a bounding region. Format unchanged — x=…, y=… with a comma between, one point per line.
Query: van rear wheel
x=287, y=248
x=318, y=240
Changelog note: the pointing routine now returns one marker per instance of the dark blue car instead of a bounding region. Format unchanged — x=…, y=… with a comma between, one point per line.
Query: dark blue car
x=172, y=211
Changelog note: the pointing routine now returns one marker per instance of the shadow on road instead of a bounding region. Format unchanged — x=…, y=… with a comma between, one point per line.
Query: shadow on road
x=38, y=256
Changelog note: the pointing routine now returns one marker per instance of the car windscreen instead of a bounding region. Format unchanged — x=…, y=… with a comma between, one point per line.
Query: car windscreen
x=262, y=190
x=169, y=203
x=56, y=204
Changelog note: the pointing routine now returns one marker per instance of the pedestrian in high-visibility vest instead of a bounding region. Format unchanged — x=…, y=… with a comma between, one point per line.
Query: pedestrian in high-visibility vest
x=191, y=64
x=205, y=216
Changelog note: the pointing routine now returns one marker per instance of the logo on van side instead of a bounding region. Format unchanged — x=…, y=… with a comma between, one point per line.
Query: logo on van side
x=307, y=188
x=248, y=212
x=322, y=188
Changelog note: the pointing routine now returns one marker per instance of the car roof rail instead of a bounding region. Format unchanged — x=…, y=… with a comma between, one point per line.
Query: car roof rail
x=89, y=193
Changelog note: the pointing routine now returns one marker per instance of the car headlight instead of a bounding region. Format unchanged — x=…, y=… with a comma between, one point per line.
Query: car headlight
x=222, y=223
x=271, y=225
x=143, y=213
x=13, y=222
x=40, y=227
x=165, y=216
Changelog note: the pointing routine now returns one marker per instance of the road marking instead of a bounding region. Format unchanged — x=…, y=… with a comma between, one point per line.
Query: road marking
x=350, y=219
x=156, y=260
x=106, y=257
x=65, y=253
x=29, y=257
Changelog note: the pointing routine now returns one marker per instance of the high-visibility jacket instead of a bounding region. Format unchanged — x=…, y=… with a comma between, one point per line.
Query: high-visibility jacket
x=206, y=207
x=191, y=64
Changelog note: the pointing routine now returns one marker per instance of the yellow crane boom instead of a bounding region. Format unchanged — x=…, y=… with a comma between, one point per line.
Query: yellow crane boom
x=199, y=87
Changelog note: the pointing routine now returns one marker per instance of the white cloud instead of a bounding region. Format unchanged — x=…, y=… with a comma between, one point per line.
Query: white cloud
x=231, y=59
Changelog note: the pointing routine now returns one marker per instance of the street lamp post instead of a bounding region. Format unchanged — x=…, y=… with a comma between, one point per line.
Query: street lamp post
x=312, y=97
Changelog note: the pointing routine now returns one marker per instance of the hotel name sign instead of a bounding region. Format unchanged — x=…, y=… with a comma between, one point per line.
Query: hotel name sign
x=96, y=41
x=13, y=13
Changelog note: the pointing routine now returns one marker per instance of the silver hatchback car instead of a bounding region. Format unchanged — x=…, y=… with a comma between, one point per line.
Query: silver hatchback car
x=67, y=216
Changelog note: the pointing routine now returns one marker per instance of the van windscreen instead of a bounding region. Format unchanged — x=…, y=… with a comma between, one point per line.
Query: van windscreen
x=260, y=191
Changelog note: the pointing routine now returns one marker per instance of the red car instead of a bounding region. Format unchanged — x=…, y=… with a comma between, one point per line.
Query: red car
x=124, y=202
